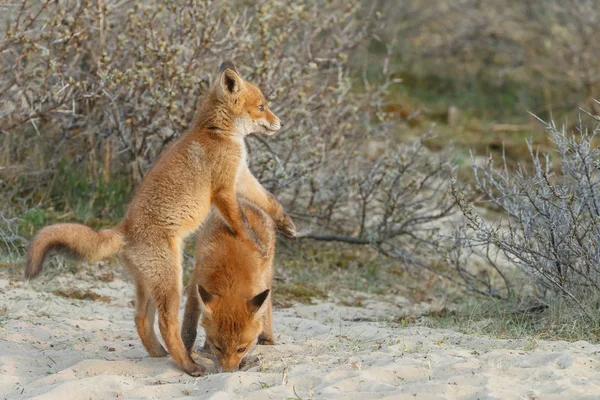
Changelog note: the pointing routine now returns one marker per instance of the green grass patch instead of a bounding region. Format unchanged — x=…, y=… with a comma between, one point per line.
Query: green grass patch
x=309, y=271
x=286, y=293
x=69, y=196
x=483, y=99
x=331, y=266
x=88, y=200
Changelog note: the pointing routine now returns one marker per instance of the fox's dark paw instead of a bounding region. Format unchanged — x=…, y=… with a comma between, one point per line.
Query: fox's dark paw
x=249, y=361
x=194, y=369
x=286, y=227
x=157, y=351
x=265, y=341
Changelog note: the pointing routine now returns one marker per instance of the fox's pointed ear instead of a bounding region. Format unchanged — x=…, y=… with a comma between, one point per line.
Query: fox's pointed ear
x=227, y=64
x=230, y=81
x=257, y=304
x=206, y=300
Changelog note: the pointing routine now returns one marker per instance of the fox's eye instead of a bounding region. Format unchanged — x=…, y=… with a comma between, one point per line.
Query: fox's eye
x=261, y=108
x=218, y=349
x=242, y=349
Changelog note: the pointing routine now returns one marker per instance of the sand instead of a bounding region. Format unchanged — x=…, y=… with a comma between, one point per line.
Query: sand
x=52, y=347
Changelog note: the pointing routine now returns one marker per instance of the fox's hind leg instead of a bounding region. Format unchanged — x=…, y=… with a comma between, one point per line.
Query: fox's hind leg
x=164, y=276
x=167, y=303
x=190, y=318
x=145, y=309
x=266, y=337
x=157, y=270
x=144, y=322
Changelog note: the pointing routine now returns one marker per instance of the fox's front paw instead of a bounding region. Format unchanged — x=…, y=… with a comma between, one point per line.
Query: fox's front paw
x=193, y=369
x=265, y=341
x=249, y=361
x=286, y=227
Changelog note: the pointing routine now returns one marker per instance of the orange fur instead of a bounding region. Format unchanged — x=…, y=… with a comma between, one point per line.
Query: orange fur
x=205, y=167
x=231, y=287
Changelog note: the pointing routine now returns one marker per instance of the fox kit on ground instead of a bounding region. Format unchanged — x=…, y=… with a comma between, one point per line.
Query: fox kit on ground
x=205, y=167
x=231, y=286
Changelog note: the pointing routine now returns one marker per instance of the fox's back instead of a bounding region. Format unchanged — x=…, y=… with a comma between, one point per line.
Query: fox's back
x=227, y=266
x=175, y=194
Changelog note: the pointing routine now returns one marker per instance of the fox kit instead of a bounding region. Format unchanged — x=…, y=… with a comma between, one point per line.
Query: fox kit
x=206, y=166
x=231, y=286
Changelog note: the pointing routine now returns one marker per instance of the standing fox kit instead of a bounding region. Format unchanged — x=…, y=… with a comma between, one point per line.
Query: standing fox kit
x=231, y=286
x=205, y=167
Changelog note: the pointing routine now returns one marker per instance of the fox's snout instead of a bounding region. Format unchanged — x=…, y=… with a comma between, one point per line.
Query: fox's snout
x=229, y=365
x=276, y=125
x=273, y=123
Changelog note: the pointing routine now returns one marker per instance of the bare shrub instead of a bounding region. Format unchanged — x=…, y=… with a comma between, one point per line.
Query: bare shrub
x=129, y=72
x=551, y=223
x=107, y=84
x=11, y=242
x=103, y=86
x=396, y=205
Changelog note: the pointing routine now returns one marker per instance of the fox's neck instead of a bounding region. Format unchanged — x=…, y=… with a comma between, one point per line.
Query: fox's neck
x=214, y=118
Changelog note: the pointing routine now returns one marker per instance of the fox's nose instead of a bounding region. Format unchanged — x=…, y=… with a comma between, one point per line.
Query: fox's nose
x=281, y=123
x=229, y=368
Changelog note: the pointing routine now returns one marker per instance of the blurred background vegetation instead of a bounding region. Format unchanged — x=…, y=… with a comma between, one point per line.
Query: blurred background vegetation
x=388, y=106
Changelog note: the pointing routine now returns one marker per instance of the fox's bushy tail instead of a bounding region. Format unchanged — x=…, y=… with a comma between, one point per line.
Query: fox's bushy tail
x=78, y=240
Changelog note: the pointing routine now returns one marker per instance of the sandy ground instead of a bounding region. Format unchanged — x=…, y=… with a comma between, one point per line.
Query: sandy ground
x=52, y=347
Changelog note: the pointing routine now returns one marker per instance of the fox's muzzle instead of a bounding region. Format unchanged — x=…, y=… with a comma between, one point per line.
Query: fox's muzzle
x=229, y=367
x=273, y=127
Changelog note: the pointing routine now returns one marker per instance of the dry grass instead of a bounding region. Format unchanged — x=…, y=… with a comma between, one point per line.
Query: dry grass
x=81, y=295
x=514, y=320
